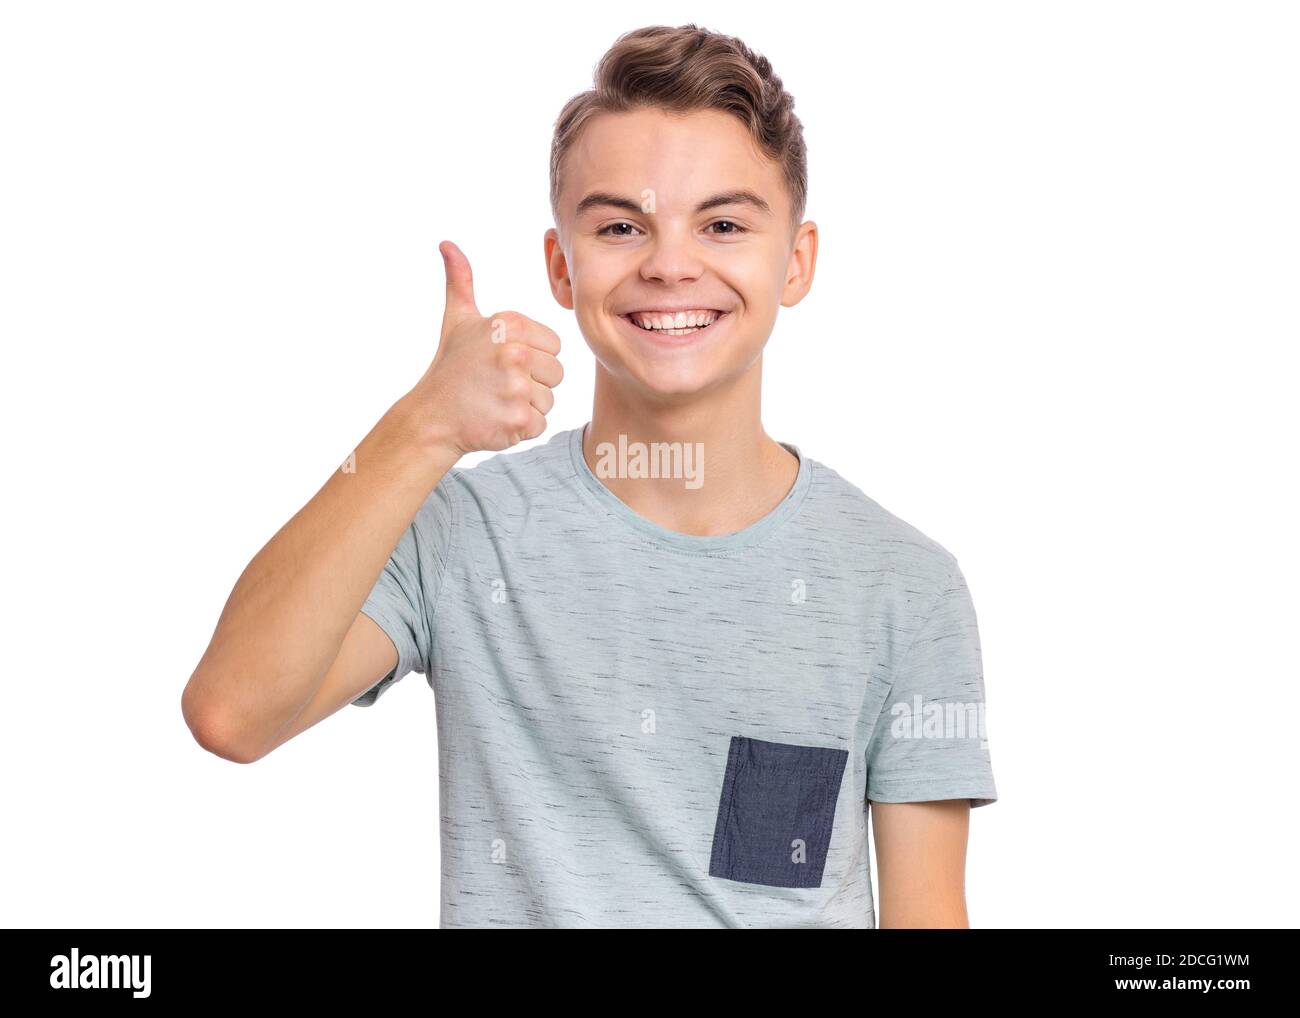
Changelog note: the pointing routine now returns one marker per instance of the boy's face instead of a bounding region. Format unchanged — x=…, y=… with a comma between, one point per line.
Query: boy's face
x=634, y=237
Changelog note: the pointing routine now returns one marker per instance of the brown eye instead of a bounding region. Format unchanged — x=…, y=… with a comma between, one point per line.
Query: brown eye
x=734, y=227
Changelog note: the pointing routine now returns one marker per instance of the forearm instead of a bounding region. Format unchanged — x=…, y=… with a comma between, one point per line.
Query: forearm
x=290, y=610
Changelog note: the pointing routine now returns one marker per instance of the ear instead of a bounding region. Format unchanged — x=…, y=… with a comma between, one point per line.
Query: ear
x=803, y=263
x=557, y=269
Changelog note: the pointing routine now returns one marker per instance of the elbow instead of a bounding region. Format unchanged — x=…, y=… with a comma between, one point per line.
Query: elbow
x=212, y=731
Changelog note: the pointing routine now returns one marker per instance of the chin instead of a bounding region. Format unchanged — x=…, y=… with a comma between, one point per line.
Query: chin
x=677, y=386
x=675, y=382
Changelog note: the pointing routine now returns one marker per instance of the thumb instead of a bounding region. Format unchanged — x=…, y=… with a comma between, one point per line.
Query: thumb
x=460, y=284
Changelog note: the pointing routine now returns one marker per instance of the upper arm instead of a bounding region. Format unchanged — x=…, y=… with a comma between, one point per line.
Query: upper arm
x=921, y=862
x=928, y=763
x=366, y=655
x=930, y=740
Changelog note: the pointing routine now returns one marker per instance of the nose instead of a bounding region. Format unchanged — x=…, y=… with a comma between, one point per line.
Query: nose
x=671, y=257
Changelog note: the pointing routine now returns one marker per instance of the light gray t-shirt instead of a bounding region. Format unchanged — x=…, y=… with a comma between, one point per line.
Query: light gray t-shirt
x=638, y=727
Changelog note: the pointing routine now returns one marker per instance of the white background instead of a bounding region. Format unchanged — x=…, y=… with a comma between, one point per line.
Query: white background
x=1053, y=326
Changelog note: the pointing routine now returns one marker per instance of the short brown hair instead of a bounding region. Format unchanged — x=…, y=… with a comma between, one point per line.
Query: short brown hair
x=685, y=69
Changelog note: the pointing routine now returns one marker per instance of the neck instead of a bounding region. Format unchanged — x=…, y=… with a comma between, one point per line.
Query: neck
x=734, y=472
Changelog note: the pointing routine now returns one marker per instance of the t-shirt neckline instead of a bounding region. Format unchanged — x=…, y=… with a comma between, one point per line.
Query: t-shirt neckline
x=673, y=539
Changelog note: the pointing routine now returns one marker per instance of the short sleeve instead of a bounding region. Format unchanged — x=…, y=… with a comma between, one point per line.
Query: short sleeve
x=404, y=597
x=930, y=741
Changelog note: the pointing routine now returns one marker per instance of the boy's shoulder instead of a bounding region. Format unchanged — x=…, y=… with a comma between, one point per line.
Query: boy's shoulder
x=867, y=533
x=536, y=472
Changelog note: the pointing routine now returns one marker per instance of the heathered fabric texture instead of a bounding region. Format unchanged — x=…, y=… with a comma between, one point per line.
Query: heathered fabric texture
x=638, y=727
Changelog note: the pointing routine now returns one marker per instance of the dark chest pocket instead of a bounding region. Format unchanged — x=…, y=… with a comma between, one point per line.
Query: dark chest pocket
x=776, y=813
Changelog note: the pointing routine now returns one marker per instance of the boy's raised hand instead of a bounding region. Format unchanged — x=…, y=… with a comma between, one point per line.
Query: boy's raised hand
x=489, y=386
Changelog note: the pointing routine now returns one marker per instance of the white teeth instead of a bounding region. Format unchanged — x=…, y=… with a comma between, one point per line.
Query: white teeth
x=672, y=322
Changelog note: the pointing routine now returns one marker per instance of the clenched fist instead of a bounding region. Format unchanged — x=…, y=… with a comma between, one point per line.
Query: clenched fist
x=489, y=386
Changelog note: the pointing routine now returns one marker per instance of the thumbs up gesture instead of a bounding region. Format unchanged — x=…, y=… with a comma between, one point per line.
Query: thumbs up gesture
x=489, y=386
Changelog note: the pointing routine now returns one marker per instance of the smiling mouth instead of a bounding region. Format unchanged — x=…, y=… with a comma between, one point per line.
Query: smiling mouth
x=689, y=330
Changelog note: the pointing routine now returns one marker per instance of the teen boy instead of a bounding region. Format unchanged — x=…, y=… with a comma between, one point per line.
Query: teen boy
x=658, y=703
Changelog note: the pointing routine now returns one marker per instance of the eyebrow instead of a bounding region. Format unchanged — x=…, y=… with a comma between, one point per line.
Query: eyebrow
x=606, y=199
